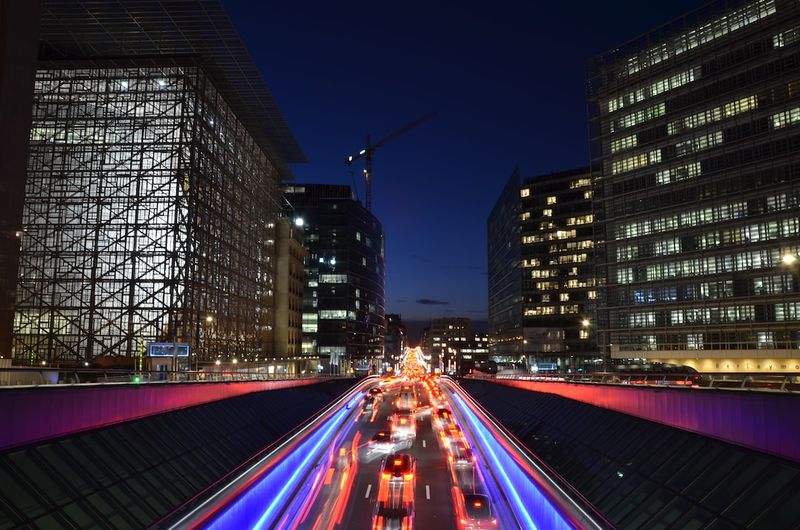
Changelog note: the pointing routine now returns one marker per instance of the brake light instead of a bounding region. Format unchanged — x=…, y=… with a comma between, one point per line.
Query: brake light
x=386, y=475
x=477, y=504
x=398, y=462
x=408, y=476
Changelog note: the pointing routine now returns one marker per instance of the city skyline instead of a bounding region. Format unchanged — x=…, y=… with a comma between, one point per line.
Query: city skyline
x=334, y=88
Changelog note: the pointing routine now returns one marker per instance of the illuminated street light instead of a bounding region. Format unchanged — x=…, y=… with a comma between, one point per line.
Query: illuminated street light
x=586, y=322
x=789, y=259
x=209, y=319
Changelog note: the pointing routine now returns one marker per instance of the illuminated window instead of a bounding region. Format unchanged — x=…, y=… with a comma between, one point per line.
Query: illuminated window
x=698, y=36
x=654, y=89
x=332, y=314
x=620, y=144
x=640, y=116
x=787, y=117
x=564, y=297
x=569, y=309
x=583, y=333
x=678, y=173
x=712, y=115
x=635, y=162
x=547, y=212
x=545, y=298
x=765, y=340
x=591, y=295
x=580, y=220
x=333, y=278
x=580, y=183
x=694, y=341
x=524, y=216
x=524, y=192
x=588, y=194
x=699, y=143
x=642, y=320
x=551, y=200
x=790, y=36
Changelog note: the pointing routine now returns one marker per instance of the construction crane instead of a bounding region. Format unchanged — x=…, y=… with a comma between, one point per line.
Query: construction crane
x=368, y=151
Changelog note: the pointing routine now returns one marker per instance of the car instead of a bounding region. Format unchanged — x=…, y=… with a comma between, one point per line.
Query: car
x=473, y=511
x=381, y=444
x=375, y=392
x=460, y=455
x=404, y=424
x=450, y=434
x=390, y=517
x=441, y=418
x=399, y=468
x=368, y=403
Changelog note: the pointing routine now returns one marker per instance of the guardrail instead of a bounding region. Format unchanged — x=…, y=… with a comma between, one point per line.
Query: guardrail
x=768, y=382
x=539, y=496
x=52, y=377
x=256, y=493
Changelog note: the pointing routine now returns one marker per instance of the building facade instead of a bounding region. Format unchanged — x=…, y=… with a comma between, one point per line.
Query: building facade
x=289, y=275
x=343, y=303
x=695, y=150
x=542, y=287
x=395, y=340
x=444, y=339
x=505, y=271
x=152, y=193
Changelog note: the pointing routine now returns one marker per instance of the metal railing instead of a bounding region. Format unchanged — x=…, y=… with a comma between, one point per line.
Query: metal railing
x=20, y=376
x=767, y=382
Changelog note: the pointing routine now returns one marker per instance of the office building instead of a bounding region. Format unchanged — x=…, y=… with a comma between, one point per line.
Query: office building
x=289, y=285
x=695, y=153
x=343, y=303
x=395, y=340
x=542, y=288
x=152, y=188
x=444, y=339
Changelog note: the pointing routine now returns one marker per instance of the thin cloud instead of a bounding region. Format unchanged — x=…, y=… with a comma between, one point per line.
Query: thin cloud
x=428, y=301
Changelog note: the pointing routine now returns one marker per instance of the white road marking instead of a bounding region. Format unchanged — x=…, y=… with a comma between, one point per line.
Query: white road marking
x=427, y=491
x=369, y=488
x=423, y=444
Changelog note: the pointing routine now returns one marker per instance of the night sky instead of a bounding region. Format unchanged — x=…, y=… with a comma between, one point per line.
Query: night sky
x=506, y=79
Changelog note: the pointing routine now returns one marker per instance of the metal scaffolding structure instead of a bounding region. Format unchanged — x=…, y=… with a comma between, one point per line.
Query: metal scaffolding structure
x=149, y=216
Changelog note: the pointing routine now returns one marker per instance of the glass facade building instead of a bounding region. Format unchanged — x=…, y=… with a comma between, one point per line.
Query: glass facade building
x=695, y=151
x=149, y=216
x=542, y=288
x=344, y=297
x=152, y=187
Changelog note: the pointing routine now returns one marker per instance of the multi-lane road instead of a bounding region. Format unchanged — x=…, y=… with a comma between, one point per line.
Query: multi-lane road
x=450, y=485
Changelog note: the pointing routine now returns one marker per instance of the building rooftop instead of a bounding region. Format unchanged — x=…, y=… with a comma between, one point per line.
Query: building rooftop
x=119, y=29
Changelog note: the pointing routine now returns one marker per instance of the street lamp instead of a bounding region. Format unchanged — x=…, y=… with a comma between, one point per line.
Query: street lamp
x=789, y=259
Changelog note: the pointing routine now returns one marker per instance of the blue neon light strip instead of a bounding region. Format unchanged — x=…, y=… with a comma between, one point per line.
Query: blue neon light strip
x=259, y=506
x=526, y=500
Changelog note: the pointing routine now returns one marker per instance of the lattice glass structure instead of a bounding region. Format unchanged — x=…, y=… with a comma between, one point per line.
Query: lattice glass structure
x=149, y=215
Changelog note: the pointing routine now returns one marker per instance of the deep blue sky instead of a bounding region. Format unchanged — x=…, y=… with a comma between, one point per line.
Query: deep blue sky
x=506, y=78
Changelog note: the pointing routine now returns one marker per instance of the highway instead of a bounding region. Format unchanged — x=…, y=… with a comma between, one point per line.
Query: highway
x=351, y=485
x=402, y=452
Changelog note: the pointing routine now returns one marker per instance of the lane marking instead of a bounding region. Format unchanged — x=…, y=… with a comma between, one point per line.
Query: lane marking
x=428, y=491
x=423, y=444
x=369, y=488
